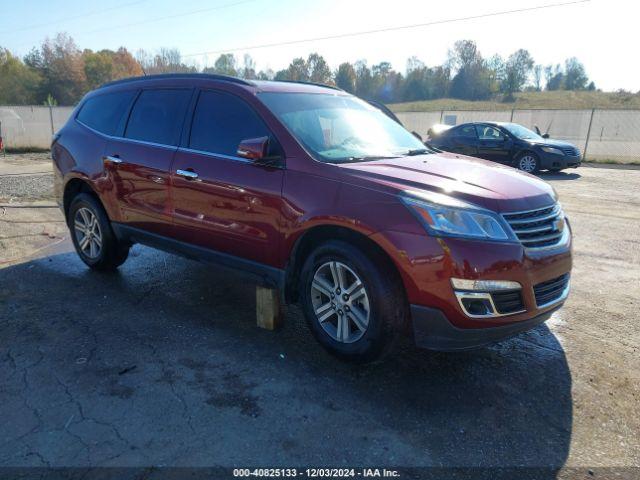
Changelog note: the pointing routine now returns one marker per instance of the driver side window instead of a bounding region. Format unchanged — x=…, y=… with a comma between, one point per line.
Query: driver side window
x=221, y=121
x=487, y=132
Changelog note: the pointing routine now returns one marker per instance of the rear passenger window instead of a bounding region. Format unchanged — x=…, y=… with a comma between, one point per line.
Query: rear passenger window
x=157, y=116
x=467, y=132
x=221, y=121
x=106, y=113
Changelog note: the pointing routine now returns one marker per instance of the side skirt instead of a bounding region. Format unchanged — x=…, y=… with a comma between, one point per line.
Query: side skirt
x=264, y=275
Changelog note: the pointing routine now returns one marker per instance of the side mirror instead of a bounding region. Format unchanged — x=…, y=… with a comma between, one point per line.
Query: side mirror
x=254, y=149
x=546, y=135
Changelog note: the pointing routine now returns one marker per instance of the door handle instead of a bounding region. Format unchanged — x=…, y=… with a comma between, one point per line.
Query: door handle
x=188, y=174
x=112, y=159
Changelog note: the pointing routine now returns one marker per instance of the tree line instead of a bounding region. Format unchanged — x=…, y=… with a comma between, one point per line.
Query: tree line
x=58, y=72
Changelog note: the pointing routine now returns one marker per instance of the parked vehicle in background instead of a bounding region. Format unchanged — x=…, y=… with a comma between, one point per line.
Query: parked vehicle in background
x=506, y=143
x=320, y=195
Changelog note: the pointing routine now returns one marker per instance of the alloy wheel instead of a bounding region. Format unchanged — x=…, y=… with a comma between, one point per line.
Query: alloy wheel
x=88, y=233
x=528, y=163
x=340, y=302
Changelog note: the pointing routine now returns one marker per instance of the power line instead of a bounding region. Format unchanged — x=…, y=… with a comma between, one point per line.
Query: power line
x=171, y=17
x=76, y=17
x=387, y=29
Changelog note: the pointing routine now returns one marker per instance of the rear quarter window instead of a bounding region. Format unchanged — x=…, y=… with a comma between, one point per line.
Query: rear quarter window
x=106, y=113
x=158, y=115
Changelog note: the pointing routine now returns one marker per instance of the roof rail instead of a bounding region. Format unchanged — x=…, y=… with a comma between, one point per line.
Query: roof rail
x=206, y=76
x=332, y=87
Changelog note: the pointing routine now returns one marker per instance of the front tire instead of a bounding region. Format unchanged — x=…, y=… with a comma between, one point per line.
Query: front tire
x=354, y=304
x=528, y=162
x=92, y=235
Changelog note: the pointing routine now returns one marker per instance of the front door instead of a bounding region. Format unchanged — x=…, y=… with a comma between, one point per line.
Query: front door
x=220, y=201
x=140, y=162
x=493, y=144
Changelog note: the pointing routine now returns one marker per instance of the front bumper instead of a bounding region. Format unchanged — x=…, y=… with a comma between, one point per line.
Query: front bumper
x=551, y=161
x=432, y=330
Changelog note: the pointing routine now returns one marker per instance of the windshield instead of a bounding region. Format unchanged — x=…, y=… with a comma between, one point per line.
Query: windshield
x=339, y=128
x=521, y=132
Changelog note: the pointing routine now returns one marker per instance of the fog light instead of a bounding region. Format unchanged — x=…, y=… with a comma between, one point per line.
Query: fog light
x=477, y=306
x=484, y=285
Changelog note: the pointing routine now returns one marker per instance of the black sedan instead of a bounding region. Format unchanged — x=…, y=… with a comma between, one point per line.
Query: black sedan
x=507, y=143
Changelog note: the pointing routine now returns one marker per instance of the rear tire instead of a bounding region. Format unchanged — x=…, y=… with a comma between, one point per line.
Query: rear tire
x=357, y=317
x=92, y=235
x=527, y=162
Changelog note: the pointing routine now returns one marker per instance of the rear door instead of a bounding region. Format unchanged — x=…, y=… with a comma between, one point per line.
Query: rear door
x=464, y=140
x=493, y=144
x=224, y=202
x=140, y=160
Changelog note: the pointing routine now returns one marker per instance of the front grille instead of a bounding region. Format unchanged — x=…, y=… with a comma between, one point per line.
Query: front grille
x=508, y=302
x=570, y=151
x=551, y=290
x=538, y=228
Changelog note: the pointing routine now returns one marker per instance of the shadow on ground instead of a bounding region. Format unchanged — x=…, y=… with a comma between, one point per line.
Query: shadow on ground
x=560, y=175
x=161, y=364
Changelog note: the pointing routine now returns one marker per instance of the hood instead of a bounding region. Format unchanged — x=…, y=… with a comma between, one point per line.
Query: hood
x=548, y=142
x=483, y=183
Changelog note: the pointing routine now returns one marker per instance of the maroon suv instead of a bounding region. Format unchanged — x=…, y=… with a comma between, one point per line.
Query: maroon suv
x=320, y=195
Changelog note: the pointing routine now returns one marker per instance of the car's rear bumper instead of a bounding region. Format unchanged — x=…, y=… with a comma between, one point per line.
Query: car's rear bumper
x=432, y=330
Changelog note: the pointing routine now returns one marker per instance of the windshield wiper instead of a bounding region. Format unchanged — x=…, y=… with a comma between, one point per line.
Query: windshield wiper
x=367, y=158
x=418, y=151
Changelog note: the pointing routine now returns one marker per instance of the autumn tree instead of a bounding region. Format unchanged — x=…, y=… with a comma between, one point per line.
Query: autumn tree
x=60, y=64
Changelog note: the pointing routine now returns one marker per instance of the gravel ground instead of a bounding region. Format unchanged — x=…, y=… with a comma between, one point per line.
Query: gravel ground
x=161, y=364
x=23, y=187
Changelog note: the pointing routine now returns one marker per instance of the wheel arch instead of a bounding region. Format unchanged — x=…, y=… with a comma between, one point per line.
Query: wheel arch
x=72, y=188
x=319, y=234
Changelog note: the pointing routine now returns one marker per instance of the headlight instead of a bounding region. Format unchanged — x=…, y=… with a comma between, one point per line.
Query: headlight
x=445, y=216
x=557, y=151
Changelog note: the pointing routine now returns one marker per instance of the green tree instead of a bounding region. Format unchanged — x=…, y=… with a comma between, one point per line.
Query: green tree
x=98, y=68
x=554, y=77
x=346, y=77
x=18, y=83
x=298, y=70
x=248, y=69
x=516, y=72
x=319, y=70
x=225, y=64
x=364, y=80
x=575, y=76
x=472, y=80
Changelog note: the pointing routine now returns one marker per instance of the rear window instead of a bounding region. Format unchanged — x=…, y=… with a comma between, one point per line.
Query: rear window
x=157, y=116
x=106, y=113
x=221, y=121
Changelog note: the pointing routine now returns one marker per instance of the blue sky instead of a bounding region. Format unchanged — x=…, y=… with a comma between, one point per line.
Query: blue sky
x=600, y=33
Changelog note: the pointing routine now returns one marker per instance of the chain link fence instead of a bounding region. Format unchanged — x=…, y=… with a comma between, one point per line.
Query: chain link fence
x=603, y=135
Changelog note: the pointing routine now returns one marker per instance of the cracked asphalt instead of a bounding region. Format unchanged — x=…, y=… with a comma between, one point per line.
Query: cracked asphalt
x=161, y=364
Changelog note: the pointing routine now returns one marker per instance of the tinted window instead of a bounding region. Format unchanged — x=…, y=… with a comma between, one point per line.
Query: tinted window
x=221, y=121
x=486, y=132
x=157, y=116
x=468, y=131
x=106, y=113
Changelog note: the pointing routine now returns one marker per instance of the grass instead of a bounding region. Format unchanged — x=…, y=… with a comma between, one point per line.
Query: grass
x=560, y=99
